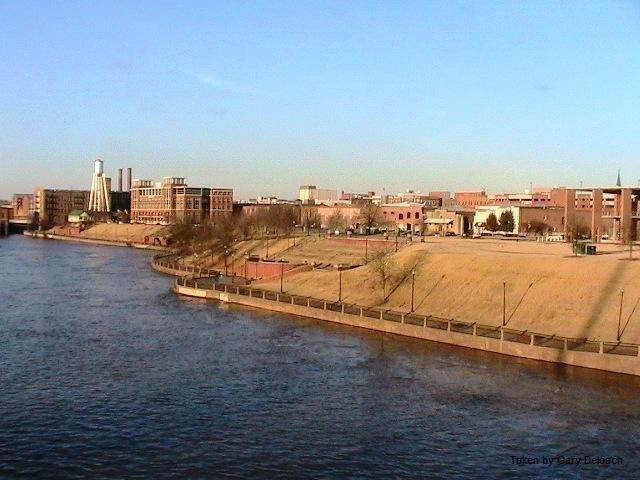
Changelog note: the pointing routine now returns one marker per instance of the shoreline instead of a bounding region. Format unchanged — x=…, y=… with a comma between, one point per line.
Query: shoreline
x=95, y=241
x=524, y=345
x=600, y=355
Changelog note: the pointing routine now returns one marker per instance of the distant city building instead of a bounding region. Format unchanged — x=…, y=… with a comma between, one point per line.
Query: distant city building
x=411, y=196
x=407, y=216
x=23, y=206
x=313, y=194
x=172, y=200
x=471, y=198
x=53, y=206
x=221, y=202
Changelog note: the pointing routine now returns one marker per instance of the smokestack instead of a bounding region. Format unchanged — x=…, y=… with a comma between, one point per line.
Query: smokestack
x=129, y=179
x=119, y=179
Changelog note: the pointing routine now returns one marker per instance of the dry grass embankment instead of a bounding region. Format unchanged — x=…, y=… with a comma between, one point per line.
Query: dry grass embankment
x=548, y=290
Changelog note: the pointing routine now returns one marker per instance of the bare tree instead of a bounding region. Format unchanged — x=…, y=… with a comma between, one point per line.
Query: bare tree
x=383, y=264
x=335, y=220
x=370, y=216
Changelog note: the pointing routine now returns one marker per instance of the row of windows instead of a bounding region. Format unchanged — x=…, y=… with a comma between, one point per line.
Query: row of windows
x=401, y=216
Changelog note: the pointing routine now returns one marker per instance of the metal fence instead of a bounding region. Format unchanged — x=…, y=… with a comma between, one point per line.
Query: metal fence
x=169, y=261
x=555, y=342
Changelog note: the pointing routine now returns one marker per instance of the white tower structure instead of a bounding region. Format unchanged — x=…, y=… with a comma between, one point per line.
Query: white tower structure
x=100, y=197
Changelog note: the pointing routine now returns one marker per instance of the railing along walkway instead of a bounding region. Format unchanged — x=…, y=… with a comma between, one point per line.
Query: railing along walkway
x=504, y=334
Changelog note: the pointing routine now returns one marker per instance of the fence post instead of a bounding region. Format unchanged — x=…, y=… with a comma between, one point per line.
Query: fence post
x=448, y=325
x=565, y=347
x=475, y=330
x=263, y=294
x=502, y=334
x=381, y=315
x=424, y=322
x=308, y=303
x=601, y=347
x=324, y=305
x=292, y=303
x=195, y=284
x=342, y=308
x=532, y=341
x=277, y=297
x=225, y=288
x=361, y=311
x=402, y=318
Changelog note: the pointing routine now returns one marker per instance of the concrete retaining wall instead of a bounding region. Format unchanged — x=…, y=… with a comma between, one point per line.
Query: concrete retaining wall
x=601, y=361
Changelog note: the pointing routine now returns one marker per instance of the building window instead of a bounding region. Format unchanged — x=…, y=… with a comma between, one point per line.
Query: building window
x=400, y=217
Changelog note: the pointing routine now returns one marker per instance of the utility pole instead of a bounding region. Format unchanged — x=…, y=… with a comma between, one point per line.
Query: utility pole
x=504, y=303
x=294, y=233
x=396, y=239
x=620, y=312
x=281, y=276
x=413, y=284
x=366, y=250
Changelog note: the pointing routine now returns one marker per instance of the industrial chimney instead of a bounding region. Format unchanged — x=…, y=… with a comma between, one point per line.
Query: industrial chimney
x=119, y=179
x=129, y=177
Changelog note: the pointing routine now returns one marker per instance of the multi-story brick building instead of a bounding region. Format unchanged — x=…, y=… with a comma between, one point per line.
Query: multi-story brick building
x=405, y=216
x=53, y=206
x=221, y=202
x=172, y=200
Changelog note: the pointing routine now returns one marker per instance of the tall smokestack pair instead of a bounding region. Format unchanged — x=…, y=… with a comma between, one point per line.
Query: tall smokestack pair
x=129, y=178
x=119, y=179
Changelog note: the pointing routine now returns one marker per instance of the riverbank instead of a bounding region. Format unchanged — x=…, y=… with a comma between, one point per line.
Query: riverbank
x=606, y=356
x=94, y=241
x=545, y=290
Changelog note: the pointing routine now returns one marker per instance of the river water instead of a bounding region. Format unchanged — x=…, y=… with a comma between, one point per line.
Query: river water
x=105, y=373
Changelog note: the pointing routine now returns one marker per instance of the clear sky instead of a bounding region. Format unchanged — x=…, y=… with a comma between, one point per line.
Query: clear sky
x=265, y=96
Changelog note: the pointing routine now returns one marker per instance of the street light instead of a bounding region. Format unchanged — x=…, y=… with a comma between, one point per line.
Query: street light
x=620, y=312
x=366, y=250
x=340, y=288
x=267, y=254
x=396, y=239
x=413, y=284
x=226, y=253
x=294, y=233
x=281, y=276
x=504, y=303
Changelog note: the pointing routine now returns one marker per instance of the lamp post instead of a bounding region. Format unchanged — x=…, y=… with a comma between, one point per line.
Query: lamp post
x=340, y=285
x=504, y=303
x=281, y=277
x=366, y=250
x=294, y=233
x=396, y=239
x=620, y=312
x=267, y=254
x=232, y=265
x=413, y=284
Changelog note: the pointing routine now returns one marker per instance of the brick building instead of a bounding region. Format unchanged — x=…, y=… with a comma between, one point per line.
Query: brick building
x=221, y=202
x=53, y=206
x=172, y=200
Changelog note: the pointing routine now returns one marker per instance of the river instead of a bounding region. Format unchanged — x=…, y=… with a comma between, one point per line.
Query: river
x=105, y=373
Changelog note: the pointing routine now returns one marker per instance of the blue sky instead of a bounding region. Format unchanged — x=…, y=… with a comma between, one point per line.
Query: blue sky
x=265, y=96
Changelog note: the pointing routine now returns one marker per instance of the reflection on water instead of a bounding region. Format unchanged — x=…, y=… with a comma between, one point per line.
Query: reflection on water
x=104, y=372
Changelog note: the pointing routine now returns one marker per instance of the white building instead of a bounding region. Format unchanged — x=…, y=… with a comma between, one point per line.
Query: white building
x=313, y=194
